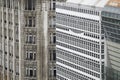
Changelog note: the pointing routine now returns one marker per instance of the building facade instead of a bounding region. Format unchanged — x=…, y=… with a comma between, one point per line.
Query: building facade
x=111, y=25
x=27, y=40
x=80, y=43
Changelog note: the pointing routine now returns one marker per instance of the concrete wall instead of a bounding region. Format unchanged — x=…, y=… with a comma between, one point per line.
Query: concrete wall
x=113, y=50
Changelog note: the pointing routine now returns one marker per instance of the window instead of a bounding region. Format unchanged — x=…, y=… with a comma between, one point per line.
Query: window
x=54, y=55
x=31, y=39
x=33, y=22
x=4, y=3
x=54, y=73
x=30, y=4
x=31, y=72
x=102, y=56
x=50, y=53
x=30, y=55
x=30, y=22
x=54, y=39
x=34, y=74
x=54, y=6
x=16, y=4
x=8, y=3
x=27, y=72
x=34, y=56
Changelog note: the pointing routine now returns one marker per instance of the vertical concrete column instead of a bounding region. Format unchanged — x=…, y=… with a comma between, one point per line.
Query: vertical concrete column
x=13, y=28
x=3, y=44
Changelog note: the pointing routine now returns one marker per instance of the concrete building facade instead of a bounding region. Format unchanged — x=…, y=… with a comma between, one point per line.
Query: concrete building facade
x=27, y=40
x=80, y=42
x=111, y=25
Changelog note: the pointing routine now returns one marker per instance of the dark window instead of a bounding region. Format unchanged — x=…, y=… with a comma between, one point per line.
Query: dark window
x=34, y=40
x=102, y=56
x=29, y=4
x=50, y=55
x=55, y=73
x=54, y=55
x=54, y=39
x=33, y=4
x=30, y=39
x=34, y=22
x=26, y=4
x=31, y=72
x=27, y=55
x=8, y=3
x=4, y=3
x=50, y=6
x=30, y=21
x=5, y=21
x=31, y=56
x=26, y=22
x=35, y=56
x=54, y=6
